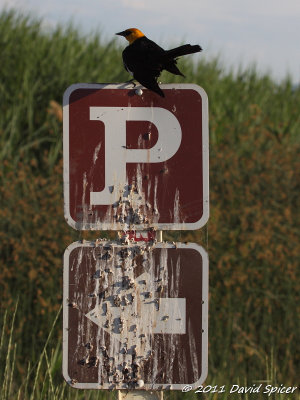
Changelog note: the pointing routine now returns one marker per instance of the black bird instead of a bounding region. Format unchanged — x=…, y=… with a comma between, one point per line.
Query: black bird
x=145, y=59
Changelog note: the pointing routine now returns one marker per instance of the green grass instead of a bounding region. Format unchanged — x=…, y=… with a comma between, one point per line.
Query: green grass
x=37, y=67
x=252, y=235
x=42, y=379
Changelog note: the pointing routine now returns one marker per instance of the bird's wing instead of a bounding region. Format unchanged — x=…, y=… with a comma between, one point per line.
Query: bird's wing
x=143, y=55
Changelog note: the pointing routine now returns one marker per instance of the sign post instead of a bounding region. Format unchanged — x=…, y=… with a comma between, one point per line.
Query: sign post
x=135, y=310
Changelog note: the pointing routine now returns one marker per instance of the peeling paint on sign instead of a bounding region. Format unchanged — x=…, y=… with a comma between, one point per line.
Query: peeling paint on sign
x=135, y=313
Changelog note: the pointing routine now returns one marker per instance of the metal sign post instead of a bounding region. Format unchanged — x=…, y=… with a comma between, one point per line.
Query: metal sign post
x=135, y=310
x=140, y=395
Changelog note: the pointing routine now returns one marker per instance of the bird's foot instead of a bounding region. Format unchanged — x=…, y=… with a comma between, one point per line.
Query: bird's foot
x=131, y=81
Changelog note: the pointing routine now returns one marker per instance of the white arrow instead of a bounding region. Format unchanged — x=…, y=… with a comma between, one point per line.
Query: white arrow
x=133, y=314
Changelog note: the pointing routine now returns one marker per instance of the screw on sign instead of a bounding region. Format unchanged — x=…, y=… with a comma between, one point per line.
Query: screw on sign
x=135, y=162
x=135, y=316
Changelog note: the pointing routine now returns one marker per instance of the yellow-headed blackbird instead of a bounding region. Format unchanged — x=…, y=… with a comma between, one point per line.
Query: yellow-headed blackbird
x=145, y=59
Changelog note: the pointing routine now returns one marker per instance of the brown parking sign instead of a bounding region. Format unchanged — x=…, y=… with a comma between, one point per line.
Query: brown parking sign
x=135, y=316
x=133, y=162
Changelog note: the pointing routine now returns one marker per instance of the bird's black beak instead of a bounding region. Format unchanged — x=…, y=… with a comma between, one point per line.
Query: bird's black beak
x=123, y=33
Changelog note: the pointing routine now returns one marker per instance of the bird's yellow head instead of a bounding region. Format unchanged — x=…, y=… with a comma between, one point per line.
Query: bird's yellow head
x=131, y=34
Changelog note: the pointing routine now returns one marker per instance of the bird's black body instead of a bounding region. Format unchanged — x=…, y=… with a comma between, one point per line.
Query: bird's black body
x=145, y=60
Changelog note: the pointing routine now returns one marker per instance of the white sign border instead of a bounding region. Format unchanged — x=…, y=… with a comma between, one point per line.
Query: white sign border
x=108, y=386
x=116, y=226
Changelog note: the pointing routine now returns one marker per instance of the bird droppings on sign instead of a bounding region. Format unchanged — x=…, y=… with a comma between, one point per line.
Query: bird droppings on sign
x=158, y=146
x=118, y=326
x=131, y=210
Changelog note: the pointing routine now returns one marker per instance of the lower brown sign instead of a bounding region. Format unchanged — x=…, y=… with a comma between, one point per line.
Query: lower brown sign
x=135, y=316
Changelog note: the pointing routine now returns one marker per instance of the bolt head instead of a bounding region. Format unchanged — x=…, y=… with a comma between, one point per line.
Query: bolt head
x=139, y=92
x=140, y=383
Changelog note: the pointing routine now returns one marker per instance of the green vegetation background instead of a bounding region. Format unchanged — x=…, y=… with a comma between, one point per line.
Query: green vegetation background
x=251, y=236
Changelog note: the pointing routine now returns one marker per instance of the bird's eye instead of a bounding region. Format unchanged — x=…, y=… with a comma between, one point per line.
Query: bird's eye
x=127, y=33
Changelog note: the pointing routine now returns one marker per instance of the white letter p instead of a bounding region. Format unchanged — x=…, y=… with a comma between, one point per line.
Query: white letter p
x=116, y=153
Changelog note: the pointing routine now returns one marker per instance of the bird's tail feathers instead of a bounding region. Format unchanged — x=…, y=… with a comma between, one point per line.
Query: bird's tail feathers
x=183, y=50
